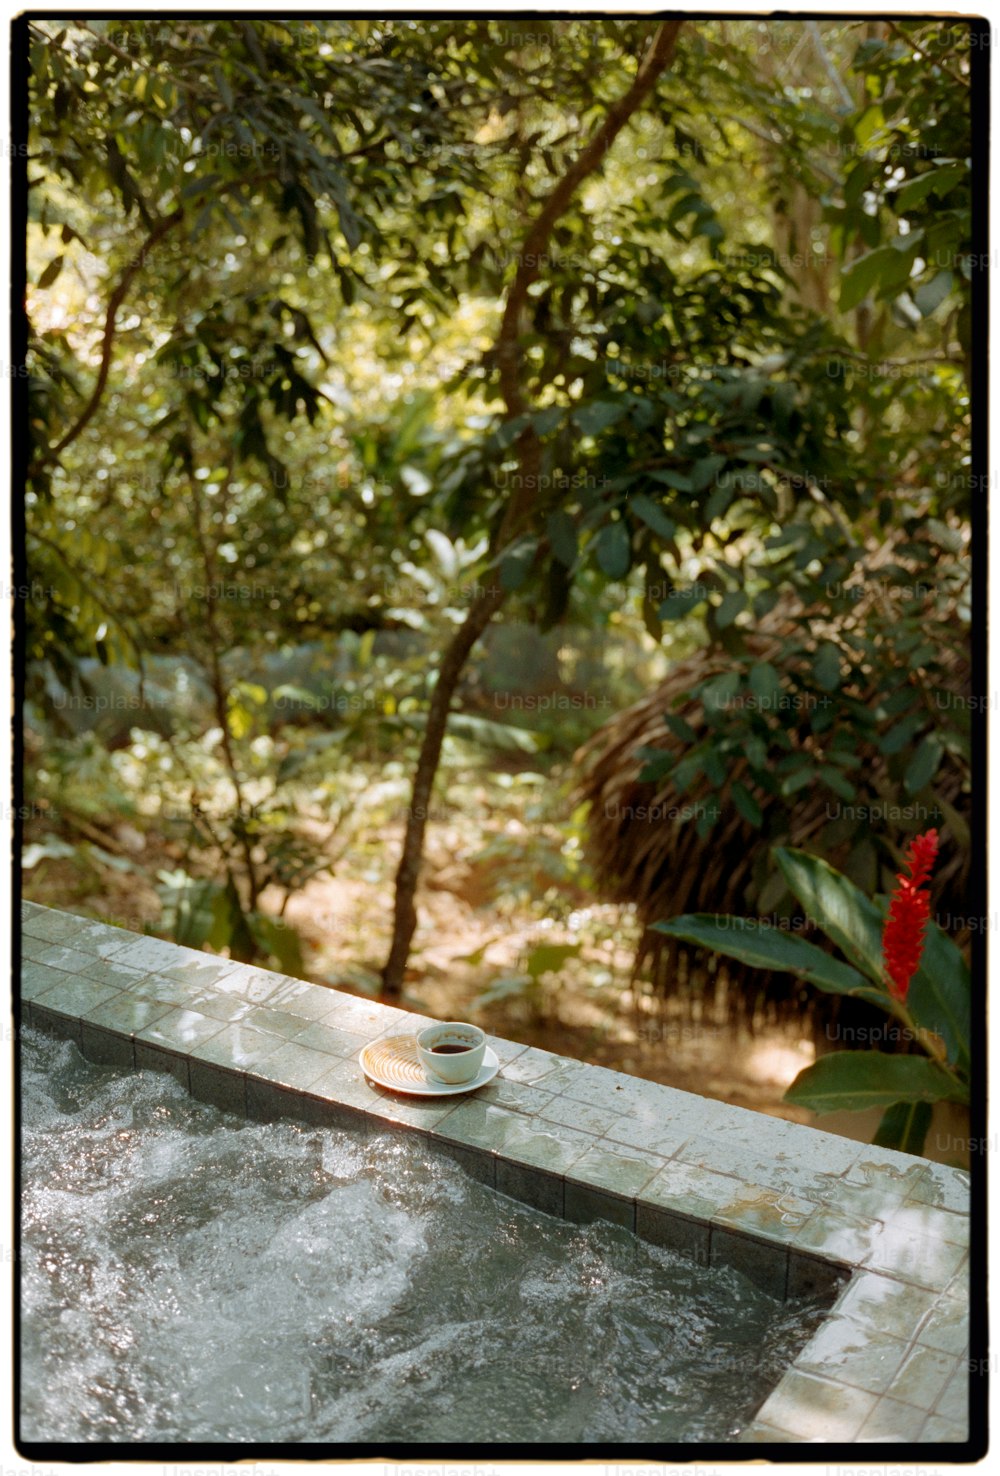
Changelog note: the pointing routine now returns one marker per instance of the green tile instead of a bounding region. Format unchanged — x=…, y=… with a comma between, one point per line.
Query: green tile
x=946, y=1327
x=329, y=1038
x=916, y=1258
x=222, y=1088
x=854, y=1354
x=255, y=986
x=762, y=1262
x=890, y=1422
x=531, y=1065
x=520, y=1096
x=236, y=1046
x=665, y=1137
x=307, y=1001
x=583, y=1204
x=696, y=1192
x=155, y=1058
x=939, y=1430
x=580, y=1115
x=272, y=1022
x=953, y=1401
x=390, y=1107
x=124, y=1014
x=530, y=1185
x=838, y=1237
x=888, y=1306
x=32, y=948
x=37, y=980
x=293, y=1065
x=925, y=1219
x=198, y=970
x=614, y=1170
x=150, y=954
x=479, y=1166
x=673, y=1232
x=923, y=1377
x=811, y=1276
x=504, y=1050
x=180, y=1030
x=767, y=1213
x=108, y=971
x=530, y=1141
x=105, y=1048
x=814, y=1409
x=55, y=927
x=72, y=996
x=366, y=1017
x=67, y=1027
x=948, y=1188
x=69, y=960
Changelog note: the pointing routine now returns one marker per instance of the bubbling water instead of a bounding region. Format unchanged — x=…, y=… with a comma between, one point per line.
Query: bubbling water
x=187, y=1276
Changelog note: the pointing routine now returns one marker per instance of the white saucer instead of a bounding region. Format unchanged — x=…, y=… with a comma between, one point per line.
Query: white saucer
x=394, y=1063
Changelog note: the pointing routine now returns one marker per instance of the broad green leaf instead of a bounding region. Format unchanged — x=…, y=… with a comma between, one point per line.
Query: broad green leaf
x=731, y=605
x=51, y=272
x=653, y=516
x=931, y=295
x=561, y=531
x=766, y=947
x=826, y=666
x=846, y=915
x=940, y=997
x=924, y=764
x=597, y=415
x=853, y=1081
x=747, y=805
x=904, y=1126
x=614, y=550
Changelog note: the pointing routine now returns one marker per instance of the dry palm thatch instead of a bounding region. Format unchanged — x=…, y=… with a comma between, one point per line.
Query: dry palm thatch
x=644, y=848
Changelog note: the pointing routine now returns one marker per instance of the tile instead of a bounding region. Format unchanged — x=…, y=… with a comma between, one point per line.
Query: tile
x=67, y=1027
x=785, y=1172
x=32, y=947
x=366, y=1017
x=519, y=1096
x=946, y=1327
x=71, y=996
x=36, y=980
x=329, y=1038
x=105, y=1048
x=944, y=1431
x=345, y=1083
x=198, y=970
x=514, y=1137
x=887, y=1306
x=873, y=1191
x=504, y=1050
x=124, y=1014
x=159, y=987
x=108, y=971
x=925, y=1219
x=180, y=1030
x=838, y=1237
x=959, y=1286
x=953, y=1401
x=154, y=1058
x=762, y=1262
x=531, y=1064
x=766, y=1213
x=673, y=1232
x=947, y=1188
x=580, y=1115
x=531, y=1186
x=221, y=1007
x=616, y=1172
x=923, y=1377
x=810, y=1276
x=696, y=1192
x=151, y=954
x=255, y=986
x=55, y=927
x=761, y=1434
x=293, y=1065
x=854, y=1354
x=665, y=1137
x=583, y=1204
x=416, y=1112
x=307, y=1001
x=272, y=1022
x=61, y=956
x=225, y=1089
x=479, y=1166
x=814, y=1409
x=236, y=1046
x=890, y=1422
x=916, y=1258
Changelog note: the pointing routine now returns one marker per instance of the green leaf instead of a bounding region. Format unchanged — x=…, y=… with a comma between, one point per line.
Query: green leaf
x=940, y=997
x=729, y=607
x=931, y=295
x=826, y=666
x=924, y=764
x=766, y=947
x=845, y=914
x=886, y=266
x=51, y=272
x=705, y=471
x=653, y=516
x=853, y=1081
x=765, y=683
x=597, y=415
x=747, y=805
x=561, y=531
x=904, y=1126
x=935, y=182
x=614, y=550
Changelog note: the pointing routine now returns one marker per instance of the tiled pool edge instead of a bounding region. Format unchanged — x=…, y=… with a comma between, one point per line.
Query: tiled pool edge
x=790, y=1206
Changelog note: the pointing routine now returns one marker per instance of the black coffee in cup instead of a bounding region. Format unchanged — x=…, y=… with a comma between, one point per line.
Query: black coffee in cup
x=447, y=1049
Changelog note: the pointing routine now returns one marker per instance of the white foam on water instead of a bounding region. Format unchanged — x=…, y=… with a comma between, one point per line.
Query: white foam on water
x=189, y=1276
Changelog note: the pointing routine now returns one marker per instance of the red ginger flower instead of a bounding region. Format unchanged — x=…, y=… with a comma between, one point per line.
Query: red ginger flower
x=909, y=910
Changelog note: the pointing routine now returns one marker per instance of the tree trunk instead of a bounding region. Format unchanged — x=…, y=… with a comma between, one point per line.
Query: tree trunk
x=518, y=512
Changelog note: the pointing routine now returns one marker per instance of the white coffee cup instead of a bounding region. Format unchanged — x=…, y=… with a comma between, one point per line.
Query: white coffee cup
x=451, y=1051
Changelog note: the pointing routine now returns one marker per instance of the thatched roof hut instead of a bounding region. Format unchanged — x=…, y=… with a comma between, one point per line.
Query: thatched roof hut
x=644, y=847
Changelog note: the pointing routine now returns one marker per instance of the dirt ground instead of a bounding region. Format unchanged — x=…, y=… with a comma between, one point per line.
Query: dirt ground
x=464, y=945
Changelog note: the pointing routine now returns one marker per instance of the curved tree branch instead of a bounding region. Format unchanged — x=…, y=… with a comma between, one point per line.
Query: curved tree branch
x=507, y=353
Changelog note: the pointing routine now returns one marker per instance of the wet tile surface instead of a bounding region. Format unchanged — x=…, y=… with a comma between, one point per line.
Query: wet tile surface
x=794, y=1208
